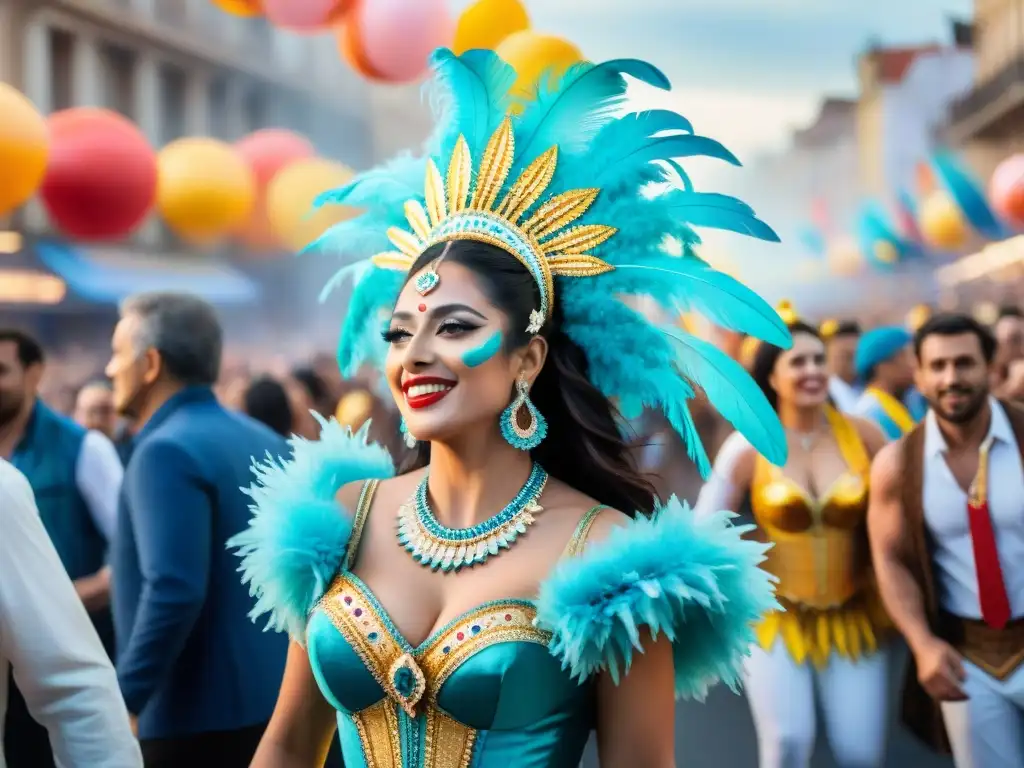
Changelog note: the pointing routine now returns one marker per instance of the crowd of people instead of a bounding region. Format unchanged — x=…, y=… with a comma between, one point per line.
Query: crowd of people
x=501, y=564
x=832, y=369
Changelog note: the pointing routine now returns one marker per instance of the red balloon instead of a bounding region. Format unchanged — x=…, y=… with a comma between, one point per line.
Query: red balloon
x=101, y=179
x=267, y=152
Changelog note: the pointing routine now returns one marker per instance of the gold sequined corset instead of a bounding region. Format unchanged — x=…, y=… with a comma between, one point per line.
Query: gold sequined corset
x=820, y=553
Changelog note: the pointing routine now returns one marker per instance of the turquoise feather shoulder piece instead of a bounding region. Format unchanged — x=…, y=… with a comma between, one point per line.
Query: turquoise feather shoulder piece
x=695, y=581
x=295, y=542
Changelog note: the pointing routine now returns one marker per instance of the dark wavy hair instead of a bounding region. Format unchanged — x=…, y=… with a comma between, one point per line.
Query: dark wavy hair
x=767, y=356
x=584, y=448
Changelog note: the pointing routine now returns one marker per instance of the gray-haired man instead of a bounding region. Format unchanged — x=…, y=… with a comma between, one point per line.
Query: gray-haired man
x=199, y=677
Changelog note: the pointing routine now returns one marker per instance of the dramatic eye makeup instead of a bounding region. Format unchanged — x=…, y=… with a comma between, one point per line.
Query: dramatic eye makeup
x=391, y=335
x=446, y=326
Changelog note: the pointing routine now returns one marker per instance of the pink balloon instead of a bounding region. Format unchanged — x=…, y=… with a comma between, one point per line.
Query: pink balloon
x=1006, y=190
x=399, y=35
x=305, y=15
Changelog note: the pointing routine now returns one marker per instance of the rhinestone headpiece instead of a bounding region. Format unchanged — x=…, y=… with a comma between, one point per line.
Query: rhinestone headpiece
x=535, y=231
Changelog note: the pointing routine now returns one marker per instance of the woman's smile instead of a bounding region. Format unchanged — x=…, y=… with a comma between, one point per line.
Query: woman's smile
x=424, y=391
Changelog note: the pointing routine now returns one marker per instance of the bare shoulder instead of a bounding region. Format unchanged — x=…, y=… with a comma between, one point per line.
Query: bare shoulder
x=348, y=495
x=735, y=460
x=572, y=506
x=399, y=487
x=869, y=433
x=606, y=521
x=886, y=466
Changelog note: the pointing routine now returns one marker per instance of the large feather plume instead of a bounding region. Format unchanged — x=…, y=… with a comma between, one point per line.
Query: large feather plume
x=629, y=359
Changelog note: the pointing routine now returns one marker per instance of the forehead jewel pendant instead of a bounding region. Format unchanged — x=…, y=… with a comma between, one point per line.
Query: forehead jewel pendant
x=428, y=281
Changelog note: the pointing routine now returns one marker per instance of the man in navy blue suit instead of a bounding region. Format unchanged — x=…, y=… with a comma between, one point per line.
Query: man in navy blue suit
x=199, y=678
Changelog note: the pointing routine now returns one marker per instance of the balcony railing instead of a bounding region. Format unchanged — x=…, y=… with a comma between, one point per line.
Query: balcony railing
x=986, y=93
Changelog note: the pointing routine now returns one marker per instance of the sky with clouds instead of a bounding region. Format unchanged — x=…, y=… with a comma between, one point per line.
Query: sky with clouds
x=745, y=71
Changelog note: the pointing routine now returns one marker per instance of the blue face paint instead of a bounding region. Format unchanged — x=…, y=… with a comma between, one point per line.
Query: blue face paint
x=483, y=353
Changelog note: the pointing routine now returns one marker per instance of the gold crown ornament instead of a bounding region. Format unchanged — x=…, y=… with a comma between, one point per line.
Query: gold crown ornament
x=540, y=236
x=828, y=328
x=787, y=312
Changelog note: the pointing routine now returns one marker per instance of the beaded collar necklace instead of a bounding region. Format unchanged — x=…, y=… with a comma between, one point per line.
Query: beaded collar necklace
x=436, y=546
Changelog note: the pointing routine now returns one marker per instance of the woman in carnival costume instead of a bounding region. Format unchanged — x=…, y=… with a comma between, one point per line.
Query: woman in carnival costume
x=830, y=633
x=519, y=585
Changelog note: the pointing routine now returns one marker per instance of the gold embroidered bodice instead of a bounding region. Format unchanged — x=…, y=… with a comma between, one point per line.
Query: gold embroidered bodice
x=478, y=691
x=821, y=551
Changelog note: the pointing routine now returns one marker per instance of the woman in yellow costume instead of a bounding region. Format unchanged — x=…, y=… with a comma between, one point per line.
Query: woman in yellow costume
x=829, y=636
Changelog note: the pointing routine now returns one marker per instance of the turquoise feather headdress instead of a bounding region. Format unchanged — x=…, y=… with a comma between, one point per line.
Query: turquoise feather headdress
x=561, y=183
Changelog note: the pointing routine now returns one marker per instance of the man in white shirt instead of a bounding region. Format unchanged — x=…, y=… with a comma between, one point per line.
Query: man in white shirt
x=946, y=522
x=48, y=642
x=76, y=477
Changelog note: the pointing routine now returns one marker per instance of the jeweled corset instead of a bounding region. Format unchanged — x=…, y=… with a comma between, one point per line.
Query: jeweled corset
x=481, y=691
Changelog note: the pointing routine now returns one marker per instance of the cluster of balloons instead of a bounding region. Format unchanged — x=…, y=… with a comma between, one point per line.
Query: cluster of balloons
x=99, y=178
x=390, y=40
x=947, y=215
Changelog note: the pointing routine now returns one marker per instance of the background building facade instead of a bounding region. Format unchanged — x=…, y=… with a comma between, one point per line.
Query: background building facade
x=183, y=68
x=987, y=122
x=905, y=97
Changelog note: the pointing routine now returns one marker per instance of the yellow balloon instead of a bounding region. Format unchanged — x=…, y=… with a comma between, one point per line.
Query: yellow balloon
x=941, y=222
x=535, y=56
x=24, y=149
x=487, y=22
x=354, y=409
x=290, y=197
x=240, y=7
x=918, y=316
x=205, y=189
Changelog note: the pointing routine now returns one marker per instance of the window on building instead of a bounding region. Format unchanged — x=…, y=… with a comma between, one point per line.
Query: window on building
x=220, y=110
x=259, y=37
x=173, y=103
x=118, y=79
x=61, y=53
x=173, y=13
x=255, y=109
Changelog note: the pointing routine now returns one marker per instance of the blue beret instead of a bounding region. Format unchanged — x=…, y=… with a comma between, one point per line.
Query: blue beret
x=878, y=345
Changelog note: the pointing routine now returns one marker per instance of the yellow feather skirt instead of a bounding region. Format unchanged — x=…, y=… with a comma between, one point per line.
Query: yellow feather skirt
x=852, y=629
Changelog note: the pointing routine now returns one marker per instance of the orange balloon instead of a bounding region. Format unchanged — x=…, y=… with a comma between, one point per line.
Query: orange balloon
x=534, y=56
x=24, y=149
x=487, y=22
x=267, y=152
x=351, y=46
x=1006, y=189
x=240, y=7
x=941, y=221
x=205, y=189
x=290, y=197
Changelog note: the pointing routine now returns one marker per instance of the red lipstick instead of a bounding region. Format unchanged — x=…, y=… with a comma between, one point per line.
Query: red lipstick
x=426, y=399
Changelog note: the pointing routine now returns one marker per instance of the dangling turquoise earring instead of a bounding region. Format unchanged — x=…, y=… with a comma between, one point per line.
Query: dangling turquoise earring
x=524, y=438
x=406, y=435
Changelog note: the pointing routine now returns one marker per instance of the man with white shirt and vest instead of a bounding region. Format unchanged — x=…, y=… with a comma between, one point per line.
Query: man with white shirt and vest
x=946, y=522
x=76, y=476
